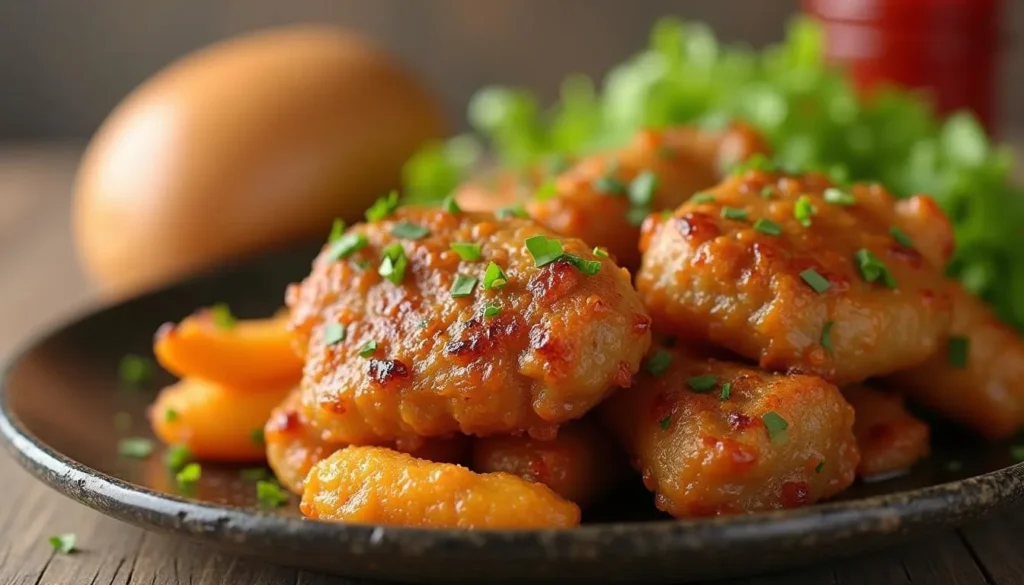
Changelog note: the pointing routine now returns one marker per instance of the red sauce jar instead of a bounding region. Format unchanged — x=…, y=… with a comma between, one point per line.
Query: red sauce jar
x=947, y=48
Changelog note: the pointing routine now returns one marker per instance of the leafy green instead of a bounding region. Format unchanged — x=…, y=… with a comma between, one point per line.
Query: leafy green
x=808, y=111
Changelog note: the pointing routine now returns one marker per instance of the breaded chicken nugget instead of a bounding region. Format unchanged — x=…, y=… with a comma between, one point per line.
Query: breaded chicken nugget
x=427, y=323
x=713, y=437
x=890, y=439
x=374, y=485
x=581, y=464
x=603, y=198
x=977, y=377
x=798, y=275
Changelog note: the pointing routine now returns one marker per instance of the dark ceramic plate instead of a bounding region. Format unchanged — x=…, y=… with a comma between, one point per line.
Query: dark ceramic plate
x=60, y=397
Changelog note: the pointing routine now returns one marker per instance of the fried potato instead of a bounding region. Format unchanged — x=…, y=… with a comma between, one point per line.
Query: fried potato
x=375, y=485
x=440, y=348
x=713, y=437
x=890, y=439
x=798, y=276
x=581, y=464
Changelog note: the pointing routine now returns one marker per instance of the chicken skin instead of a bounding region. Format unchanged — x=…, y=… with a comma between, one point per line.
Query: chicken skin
x=799, y=276
x=374, y=485
x=427, y=322
x=714, y=437
x=581, y=464
x=602, y=199
x=890, y=439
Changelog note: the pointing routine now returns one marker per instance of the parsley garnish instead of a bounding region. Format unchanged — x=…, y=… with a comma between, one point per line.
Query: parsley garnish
x=702, y=384
x=393, y=264
x=872, y=269
x=334, y=333
x=188, y=475
x=345, y=246
x=815, y=280
x=958, y=349
x=494, y=277
x=658, y=363
x=270, y=494
x=544, y=250
x=383, y=207
x=137, y=447
x=409, y=231
x=463, y=286
x=492, y=311
x=450, y=205
x=775, y=424
x=467, y=251
x=588, y=267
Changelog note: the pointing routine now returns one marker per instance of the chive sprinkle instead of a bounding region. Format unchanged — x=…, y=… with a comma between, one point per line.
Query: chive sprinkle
x=463, y=286
x=726, y=391
x=544, y=250
x=383, y=207
x=734, y=213
x=189, y=475
x=511, y=211
x=467, y=251
x=872, y=269
x=703, y=198
x=409, y=231
x=658, y=363
x=337, y=230
x=588, y=267
x=222, y=317
x=368, y=349
x=803, y=210
x=768, y=227
x=494, y=277
x=702, y=384
x=176, y=457
x=450, y=205
x=345, y=246
x=826, y=336
x=63, y=543
x=492, y=311
x=269, y=494
x=958, y=349
x=775, y=424
x=334, y=333
x=600, y=252
x=820, y=466
x=815, y=280
x=136, y=447
x=642, y=188
x=665, y=422
x=839, y=197
x=393, y=264
x=901, y=237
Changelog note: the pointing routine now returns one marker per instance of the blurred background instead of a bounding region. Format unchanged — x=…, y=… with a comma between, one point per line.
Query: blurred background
x=66, y=63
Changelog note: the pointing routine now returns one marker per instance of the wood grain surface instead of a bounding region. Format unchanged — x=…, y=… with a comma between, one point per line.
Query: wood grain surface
x=40, y=286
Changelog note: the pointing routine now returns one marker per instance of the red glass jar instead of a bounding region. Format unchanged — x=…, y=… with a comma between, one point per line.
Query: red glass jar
x=948, y=48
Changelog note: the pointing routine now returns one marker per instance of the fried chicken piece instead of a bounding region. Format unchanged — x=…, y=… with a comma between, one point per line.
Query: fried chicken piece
x=715, y=437
x=601, y=199
x=581, y=464
x=977, y=377
x=799, y=276
x=374, y=485
x=890, y=439
x=294, y=445
x=439, y=347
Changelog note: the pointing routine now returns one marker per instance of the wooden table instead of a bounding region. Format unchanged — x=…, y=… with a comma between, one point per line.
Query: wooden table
x=40, y=286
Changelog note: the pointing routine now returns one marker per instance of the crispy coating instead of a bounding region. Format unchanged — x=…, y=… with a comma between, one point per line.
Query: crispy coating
x=294, y=445
x=890, y=439
x=562, y=341
x=721, y=280
x=987, y=395
x=703, y=455
x=590, y=199
x=581, y=464
x=375, y=485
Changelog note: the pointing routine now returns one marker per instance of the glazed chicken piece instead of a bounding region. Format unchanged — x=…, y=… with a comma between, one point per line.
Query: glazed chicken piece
x=715, y=437
x=890, y=439
x=800, y=276
x=581, y=464
x=374, y=485
x=427, y=323
x=977, y=376
x=294, y=445
x=603, y=198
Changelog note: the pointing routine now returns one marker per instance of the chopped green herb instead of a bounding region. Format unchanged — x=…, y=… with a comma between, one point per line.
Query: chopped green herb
x=658, y=363
x=820, y=466
x=176, y=457
x=492, y=311
x=122, y=421
x=666, y=152
x=137, y=447
x=826, y=336
x=775, y=424
x=136, y=370
x=703, y=198
x=702, y=384
x=463, y=286
x=383, y=207
x=270, y=494
x=839, y=197
x=642, y=188
x=758, y=162
x=609, y=185
x=588, y=267
x=1017, y=452
x=63, y=543
x=409, y=231
x=188, y=475
x=901, y=237
x=337, y=230
x=815, y=280
x=803, y=210
x=393, y=264
x=767, y=192
x=600, y=252
x=345, y=246
x=361, y=264
x=637, y=215
x=872, y=269
x=768, y=227
x=257, y=436
x=254, y=474
x=494, y=277
x=466, y=250
x=450, y=205
x=368, y=349
x=170, y=415
x=546, y=191
x=544, y=250
x=958, y=350
x=222, y=317
x=511, y=211
x=734, y=213
x=665, y=422
x=726, y=391
x=334, y=333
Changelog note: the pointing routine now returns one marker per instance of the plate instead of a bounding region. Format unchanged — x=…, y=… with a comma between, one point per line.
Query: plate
x=59, y=399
